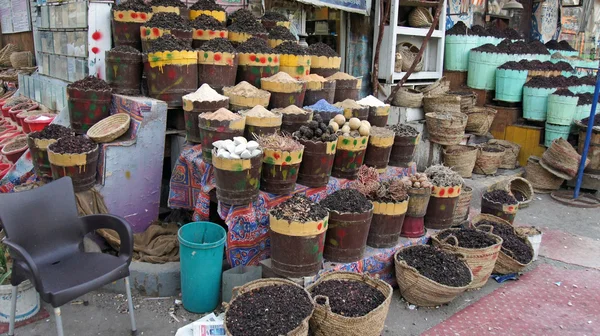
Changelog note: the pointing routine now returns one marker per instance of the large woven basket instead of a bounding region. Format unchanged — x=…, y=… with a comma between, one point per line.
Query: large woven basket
x=561, y=159
x=409, y=52
x=481, y=261
x=301, y=330
x=461, y=159
x=446, y=128
x=324, y=322
x=456, y=101
x=420, y=17
x=542, y=180
x=517, y=184
x=480, y=120
x=109, y=129
x=487, y=162
x=422, y=291
x=406, y=97
x=505, y=263
x=511, y=153
x=461, y=212
x=21, y=59
x=5, y=54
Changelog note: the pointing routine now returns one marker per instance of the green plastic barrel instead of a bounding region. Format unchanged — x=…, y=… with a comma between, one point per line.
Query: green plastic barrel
x=575, y=88
x=201, y=247
x=587, y=89
x=456, y=53
x=509, y=84
x=561, y=109
x=554, y=132
x=535, y=102
x=482, y=69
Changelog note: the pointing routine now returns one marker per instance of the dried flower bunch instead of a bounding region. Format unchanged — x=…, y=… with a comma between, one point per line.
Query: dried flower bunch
x=368, y=184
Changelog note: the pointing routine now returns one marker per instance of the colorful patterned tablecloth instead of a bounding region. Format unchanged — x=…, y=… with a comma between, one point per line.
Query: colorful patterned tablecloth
x=248, y=235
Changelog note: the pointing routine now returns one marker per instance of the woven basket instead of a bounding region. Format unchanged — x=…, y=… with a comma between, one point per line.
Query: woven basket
x=301, y=330
x=487, y=162
x=461, y=212
x=422, y=291
x=511, y=153
x=109, y=129
x=505, y=263
x=446, y=128
x=542, y=180
x=409, y=52
x=21, y=59
x=457, y=101
x=514, y=184
x=461, y=159
x=438, y=87
x=398, y=62
x=481, y=261
x=420, y=17
x=5, y=54
x=480, y=120
x=324, y=322
x=406, y=97
x=561, y=159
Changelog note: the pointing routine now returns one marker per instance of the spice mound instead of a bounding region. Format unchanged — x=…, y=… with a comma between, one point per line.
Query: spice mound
x=340, y=75
x=133, y=5
x=15, y=144
x=281, y=33
x=281, y=77
x=238, y=148
x=279, y=142
x=441, y=267
x=52, y=131
x=347, y=200
x=511, y=243
x=349, y=298
x=298, y=208
x=500, y=196
x=221, y=115
x=207, y=22
x=168, y=21
x=316, y=130
x=167, y=3
x=14, y=101
x=292, y=109
x=564, y=93
x=490, y=48
x=585, y=99
x=205, y=94
x=73, y=145
x=404, y=130
x=459, y=29
x=314, y=78
x=168, y=42
x=468, y=238
x=290, y=48
x=126, y=49
x=371, y=100
x=90, y=83
x=207, y=5
x=241, y=14
x=259, y=111
x=255, y=45
x=247, y=25
x=321, y=49
x=348, y=104
x=274, y=16
x=246, y=89
x=441, y=176
x=323, y=106
x=268, y=311
x=218, y=45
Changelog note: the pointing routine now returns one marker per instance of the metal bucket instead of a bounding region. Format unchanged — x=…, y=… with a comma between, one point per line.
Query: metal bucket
x=171, y=75
x=124, y=72
x=317, y=163
x=346, y=236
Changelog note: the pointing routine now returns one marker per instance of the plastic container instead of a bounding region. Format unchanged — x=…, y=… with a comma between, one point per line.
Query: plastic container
x=413, y=227
x=561, y=109
x=456, y=53
x=536, y=242
x=4, y=168
x=35, y=123
x=554, y=132
x=482, y=69
x=509, y=84
x=535, y=103
x=13, y=155
x=238, y=276
x=28, y=301
x=15, y=110
x=201, y=246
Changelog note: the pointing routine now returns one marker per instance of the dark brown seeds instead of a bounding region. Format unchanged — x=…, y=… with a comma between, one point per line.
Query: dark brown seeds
x=73, y=145
x=437, y=265
x=90, y=83
x=349, y=298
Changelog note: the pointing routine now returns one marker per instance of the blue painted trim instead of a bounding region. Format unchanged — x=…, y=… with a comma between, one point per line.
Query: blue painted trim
x=25, y=315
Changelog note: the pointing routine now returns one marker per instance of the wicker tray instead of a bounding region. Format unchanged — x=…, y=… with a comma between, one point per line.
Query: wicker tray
x=109, y=129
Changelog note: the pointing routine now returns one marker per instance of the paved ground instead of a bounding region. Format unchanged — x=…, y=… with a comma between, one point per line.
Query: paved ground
x=569, y=257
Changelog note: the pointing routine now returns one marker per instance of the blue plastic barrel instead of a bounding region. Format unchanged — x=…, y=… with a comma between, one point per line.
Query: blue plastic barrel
x=201, y=247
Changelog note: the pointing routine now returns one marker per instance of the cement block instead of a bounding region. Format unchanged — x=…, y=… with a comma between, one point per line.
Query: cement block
x=157, y=280
x=589, y=181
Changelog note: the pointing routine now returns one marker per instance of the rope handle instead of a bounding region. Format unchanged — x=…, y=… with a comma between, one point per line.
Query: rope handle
x=490, y=228
x=446, y=240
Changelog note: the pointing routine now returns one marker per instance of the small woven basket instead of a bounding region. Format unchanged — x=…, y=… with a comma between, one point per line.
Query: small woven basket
x=406, y=97
x=505, y=264
x=446, y=128
x=324, y=322
x=422, y=291
x=480, y=119
x=488, y=161
x=5, y=54
x=109, y=129
x=481, y=261
x=461, y=212
x=409, y=52
x=517, y=184
x=542, y=180
x=461, y=159
x=420, y=17
x=456, y=101
x=438, y=87
x=301, y=330
x=511, y=153
x=21, y=59
x=561, y=159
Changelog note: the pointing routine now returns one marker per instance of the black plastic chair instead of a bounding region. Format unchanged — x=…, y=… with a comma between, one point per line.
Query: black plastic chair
x=44, y=235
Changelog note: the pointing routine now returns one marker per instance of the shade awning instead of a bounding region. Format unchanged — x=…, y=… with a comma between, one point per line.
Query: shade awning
x=355, y=6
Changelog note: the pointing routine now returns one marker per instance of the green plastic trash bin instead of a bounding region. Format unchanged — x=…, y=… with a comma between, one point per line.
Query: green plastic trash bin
x=201, y=247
